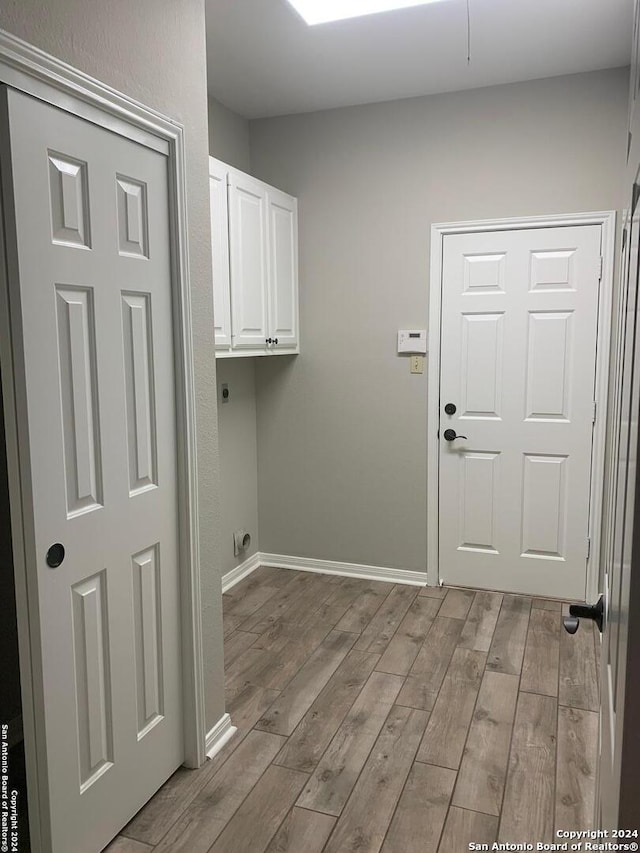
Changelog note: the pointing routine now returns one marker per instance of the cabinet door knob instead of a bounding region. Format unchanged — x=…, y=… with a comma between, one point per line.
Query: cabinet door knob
x=269, y=340
x=275, y=340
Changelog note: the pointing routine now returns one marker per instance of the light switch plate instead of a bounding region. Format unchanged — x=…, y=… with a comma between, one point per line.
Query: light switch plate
x=417, y=363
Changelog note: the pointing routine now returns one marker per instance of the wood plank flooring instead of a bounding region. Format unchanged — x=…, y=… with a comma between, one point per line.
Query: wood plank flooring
x=378, y=717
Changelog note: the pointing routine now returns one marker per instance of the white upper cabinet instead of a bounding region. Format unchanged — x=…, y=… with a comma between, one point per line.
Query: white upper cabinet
x=255, y=265
x=283, y=269
x=249, y=261
x=218, y=174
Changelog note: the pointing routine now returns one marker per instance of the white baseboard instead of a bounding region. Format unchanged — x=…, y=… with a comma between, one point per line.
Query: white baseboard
x=323, y=567
x=222, y=732
x=240, y=572
x=353, y=570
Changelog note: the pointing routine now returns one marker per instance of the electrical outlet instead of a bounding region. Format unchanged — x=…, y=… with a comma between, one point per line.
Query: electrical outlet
x=417, y=363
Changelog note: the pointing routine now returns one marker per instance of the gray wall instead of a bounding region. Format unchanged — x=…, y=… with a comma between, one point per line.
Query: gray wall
x=342, y=428
x=229, y=141
x=228, y=136
x=238, y=458
x=154, y=51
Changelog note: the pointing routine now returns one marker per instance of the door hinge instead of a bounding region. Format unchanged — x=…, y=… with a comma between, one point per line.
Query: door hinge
x=595, y=410
x=588, y=548
x=601, y=268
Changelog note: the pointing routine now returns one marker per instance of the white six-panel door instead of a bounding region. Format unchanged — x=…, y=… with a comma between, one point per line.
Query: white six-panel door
x=519, y=328
x=92, y=258
x=620, y=558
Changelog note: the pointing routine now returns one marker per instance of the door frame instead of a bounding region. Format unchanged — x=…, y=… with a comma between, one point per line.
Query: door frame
x=607, y=221
x=30, y=70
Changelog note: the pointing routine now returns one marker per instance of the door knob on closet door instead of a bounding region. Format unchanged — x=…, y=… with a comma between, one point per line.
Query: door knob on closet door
x=269, y=341
x=55, y=555
x=275, y=340
x=450, y=435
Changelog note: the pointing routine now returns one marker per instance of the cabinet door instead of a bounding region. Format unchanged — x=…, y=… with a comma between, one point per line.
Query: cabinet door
x=218, y=174
x=249, y=274
x=283, y=269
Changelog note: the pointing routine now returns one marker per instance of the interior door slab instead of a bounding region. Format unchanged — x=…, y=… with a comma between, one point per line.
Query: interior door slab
x=518, y=356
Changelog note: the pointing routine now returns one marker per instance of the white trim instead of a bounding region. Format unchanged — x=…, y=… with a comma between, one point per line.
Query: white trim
x=30, y=70
x=219, y=735
x=234, y=576
x=607, y=221
x=351, y=570
x=606, y=555
x=603, y=366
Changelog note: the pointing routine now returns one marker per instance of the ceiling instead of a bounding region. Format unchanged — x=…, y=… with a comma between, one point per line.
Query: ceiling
x=263, y=60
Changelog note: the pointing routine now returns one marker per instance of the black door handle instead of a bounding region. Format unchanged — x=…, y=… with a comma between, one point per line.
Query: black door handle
x=55, y=555
x=577, y=612
x=450, y=435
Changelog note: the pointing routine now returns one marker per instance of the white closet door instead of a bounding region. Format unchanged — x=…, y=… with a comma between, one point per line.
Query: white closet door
x=283, y=270
x=91, y=284
x=218, y=199
x=249, y=261
x=519, y=328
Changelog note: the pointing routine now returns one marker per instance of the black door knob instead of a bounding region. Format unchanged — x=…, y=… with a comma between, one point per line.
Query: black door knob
x=450, y=408
x=451, y=435
x=55, y=555
x=595, y=612
x=269, y=341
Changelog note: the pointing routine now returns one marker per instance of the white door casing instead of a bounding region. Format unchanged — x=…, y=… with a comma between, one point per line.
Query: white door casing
x=518, y=357
x=92, y=287
x=283, y=269
x=619, y=787
x=620, y=560
x=218, y=176
x=249, y=261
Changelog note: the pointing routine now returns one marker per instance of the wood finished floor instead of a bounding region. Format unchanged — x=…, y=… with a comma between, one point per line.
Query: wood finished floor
x=374, y=717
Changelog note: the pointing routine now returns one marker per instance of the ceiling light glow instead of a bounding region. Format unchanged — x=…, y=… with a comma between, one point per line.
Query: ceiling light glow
x=323, y=11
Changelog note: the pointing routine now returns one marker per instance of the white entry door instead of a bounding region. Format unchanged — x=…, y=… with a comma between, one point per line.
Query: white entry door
x=86, y=214
x=518, y=352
